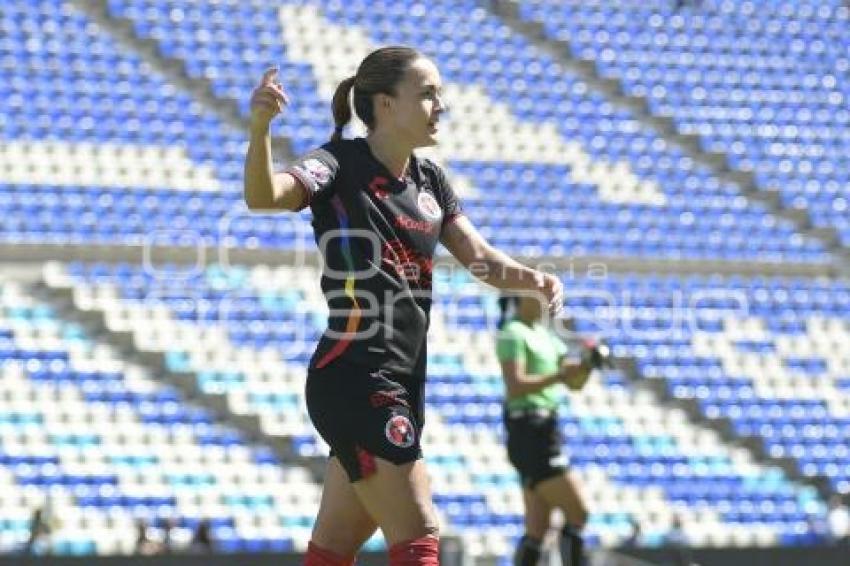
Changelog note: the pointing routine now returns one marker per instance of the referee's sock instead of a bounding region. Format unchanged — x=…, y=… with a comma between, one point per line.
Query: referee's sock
x=423, y=551
x=572, y=547
x=318, y=556
x=527, y=551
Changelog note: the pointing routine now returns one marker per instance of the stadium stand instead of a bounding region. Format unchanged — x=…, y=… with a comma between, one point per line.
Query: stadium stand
x=609, y=187
x=764, y=84
x=107, y=152
x=231, y=328
x=108, y=443
x=538, y=125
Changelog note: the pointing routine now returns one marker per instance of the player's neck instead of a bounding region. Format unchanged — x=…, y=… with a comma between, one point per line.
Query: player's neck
x=393, y=155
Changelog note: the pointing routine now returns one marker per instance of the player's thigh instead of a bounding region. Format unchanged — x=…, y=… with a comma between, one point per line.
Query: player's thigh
x=398, y=496
x=562, y=491
x=537, y=514
x=343, y=524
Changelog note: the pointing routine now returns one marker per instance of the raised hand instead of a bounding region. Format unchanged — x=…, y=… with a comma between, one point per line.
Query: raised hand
x=267, y=100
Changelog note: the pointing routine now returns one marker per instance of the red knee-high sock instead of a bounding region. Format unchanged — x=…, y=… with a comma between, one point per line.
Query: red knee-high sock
x=423, y=551
x=318, y=556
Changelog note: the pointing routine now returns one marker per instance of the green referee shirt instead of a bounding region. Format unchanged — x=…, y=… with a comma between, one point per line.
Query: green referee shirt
x=539, y=351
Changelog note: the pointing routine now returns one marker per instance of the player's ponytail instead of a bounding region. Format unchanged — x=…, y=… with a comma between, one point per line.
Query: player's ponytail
x=341, y=106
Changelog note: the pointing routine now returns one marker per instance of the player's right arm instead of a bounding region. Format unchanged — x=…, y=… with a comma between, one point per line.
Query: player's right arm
x=263, y=188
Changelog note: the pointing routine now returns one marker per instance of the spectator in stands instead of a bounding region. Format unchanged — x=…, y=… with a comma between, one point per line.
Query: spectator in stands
x=378, y=213
x=818, y=529
x=677, y=541
x=145, y=545
x=168, y=528
x=535, y=364
x=635, y=536
x=202, y=540
x=43, y=523
x=838, y=517
x=41, y=526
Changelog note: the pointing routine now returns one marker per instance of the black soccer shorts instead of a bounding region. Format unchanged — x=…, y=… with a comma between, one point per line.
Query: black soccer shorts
x=364, y=413
x=534, y=444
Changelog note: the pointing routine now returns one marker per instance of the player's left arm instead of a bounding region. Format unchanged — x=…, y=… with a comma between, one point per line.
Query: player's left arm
x=493, y=266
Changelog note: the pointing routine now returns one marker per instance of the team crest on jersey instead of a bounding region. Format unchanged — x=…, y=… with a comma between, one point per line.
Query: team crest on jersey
x=428, y=206
x=399, y=431
x=317, y=170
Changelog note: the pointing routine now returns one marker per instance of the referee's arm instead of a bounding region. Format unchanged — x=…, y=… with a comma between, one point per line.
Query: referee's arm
x=519, y=383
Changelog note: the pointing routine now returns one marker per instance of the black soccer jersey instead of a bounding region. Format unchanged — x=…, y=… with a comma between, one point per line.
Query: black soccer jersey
x=377, y=235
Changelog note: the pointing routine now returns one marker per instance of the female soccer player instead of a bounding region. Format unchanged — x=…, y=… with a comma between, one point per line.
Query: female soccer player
x=378, y=212
x=534, y=365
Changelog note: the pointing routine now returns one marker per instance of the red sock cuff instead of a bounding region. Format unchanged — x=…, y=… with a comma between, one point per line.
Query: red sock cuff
x=423, y=551
x=318, y=556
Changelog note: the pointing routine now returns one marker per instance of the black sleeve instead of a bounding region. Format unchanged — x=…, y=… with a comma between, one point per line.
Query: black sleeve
x=317, y=171
x=446, y=195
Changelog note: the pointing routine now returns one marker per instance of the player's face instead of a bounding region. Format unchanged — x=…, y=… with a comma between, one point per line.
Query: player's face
x=415, y=109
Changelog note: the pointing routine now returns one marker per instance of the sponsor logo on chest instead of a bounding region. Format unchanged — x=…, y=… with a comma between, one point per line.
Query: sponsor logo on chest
x=412, y=225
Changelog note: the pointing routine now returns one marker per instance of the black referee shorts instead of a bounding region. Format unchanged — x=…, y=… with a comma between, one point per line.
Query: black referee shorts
x=364, y=413
x=534, y=444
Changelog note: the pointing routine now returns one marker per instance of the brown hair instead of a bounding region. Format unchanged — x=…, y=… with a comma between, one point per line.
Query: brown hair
x=378, y=73
x=507, y=308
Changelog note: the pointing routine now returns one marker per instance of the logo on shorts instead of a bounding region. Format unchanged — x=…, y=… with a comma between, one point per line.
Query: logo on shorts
x=317, y=170
x=399, y=431
x=428, y=206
